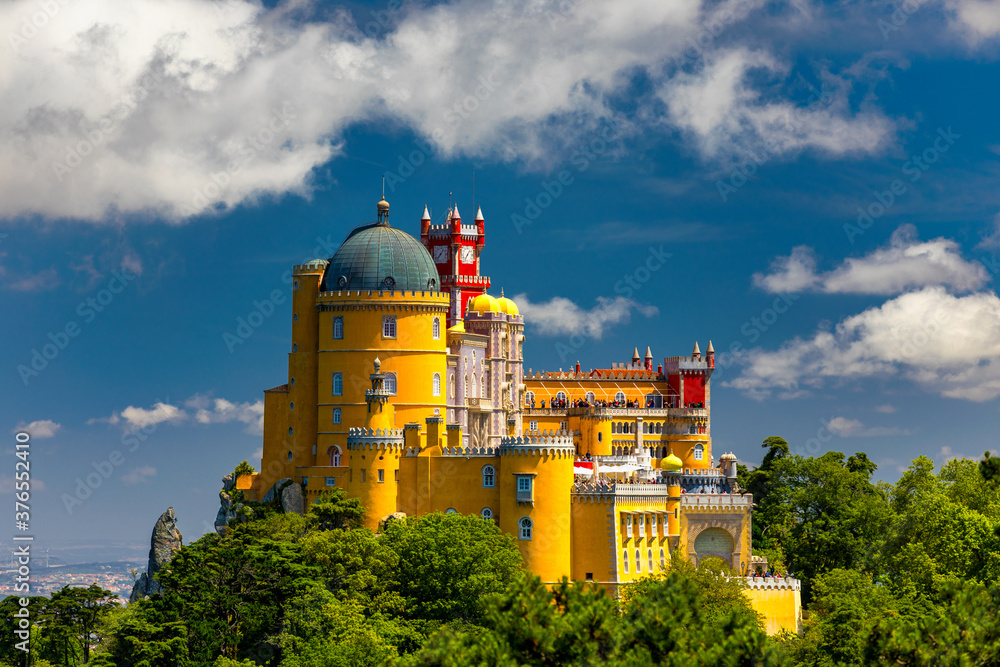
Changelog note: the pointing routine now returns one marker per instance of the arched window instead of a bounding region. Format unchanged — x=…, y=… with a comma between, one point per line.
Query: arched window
x=489, y=477
x=437, y=384
x=649, y=552
x=638, y=562
x=663, y=560
x=620, y=397
x=336, y=415
x=338, y=384
x=600, y=436
x=451, y=510
x=486, y=513
x=590, y=397
x=436, y=328
x=470, y=389
x=659, y=428
x=529, y=398
x=625, y=559
x=645, y=427
x=390, y=383
x=628, y=428
x=561, y=396
x=338, y=327
x=333, y=453
x=699, y=452
x=525, y=525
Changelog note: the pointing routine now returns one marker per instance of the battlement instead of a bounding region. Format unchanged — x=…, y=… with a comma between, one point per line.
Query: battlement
x=772, y=583
x=560, y=445
x=685, y=364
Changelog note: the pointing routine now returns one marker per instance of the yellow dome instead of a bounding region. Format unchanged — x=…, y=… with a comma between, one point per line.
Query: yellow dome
x=507, y=306
x=484, y=303
x=672, y=463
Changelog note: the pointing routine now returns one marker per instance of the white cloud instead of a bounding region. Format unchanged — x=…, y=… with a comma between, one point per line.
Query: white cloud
x=885, y=409
x=139, y=475
x=948, y=454
x=45, y=428
x=7, y=485
x=179, y=107
x=200, y=407
x=976, y=20
x=847, y=428
x=728, y=116
x=948, y=344
x=221, y=411
x=559, y=316
x=905, y=263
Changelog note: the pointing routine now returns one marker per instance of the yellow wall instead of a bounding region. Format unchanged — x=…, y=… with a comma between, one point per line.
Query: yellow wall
x=593, y=533
x=781, y=608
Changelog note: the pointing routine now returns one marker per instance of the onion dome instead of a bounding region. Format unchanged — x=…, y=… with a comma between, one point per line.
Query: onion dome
x=507, y=306
x=728, y=457
x=671, y=463
x=484, y=303
x=376, y=256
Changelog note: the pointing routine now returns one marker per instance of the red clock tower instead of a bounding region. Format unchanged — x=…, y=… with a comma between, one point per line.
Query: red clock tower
x=455, y=249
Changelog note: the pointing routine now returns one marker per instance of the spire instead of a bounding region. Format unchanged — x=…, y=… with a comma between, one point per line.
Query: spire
x=426, y=215
x=479, y=214
x=635, y=354
x=710, y=350
x=455, y=214
x=696, y=352
x=649, y=353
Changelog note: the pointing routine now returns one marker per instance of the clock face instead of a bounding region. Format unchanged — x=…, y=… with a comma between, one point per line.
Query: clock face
x=468, y=255
x=440, y=253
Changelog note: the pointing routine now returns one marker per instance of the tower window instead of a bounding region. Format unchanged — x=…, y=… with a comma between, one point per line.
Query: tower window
x=381, y=475
x=699, y=452
x=333, y=453
x=390, y=383
x=336, y=415
x=338, y=384
x=663, y=559
x=436, y=328
x=363, y=475
x=649, y=552
x=532, y=426
x=525, y=528
x=389, y=326
x=638, y=562
x=437, y=384
x=590, y=397
x=486, y=513
x=529, y=399
x=338, y=327
x=561, y=396
x=451, y=510
x=625, y=559
x=489, y=477
x=620, y=397
x=289, y=455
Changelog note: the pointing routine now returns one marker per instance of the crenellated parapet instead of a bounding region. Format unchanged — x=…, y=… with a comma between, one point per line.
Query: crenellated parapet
x=367, y=438
x=773, y=583
x=560, y=445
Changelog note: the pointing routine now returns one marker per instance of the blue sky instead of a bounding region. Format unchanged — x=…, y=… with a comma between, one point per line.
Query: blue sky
x=167, y=162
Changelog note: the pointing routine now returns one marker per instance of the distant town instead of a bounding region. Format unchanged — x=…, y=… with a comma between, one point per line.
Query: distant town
x=50, y=574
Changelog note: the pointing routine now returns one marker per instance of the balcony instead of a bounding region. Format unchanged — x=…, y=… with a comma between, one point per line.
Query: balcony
x=484, y=404
x=647, y=413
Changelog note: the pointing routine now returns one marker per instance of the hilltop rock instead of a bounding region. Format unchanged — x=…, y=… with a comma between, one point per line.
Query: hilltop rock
x=164, y=543
x=292, y=499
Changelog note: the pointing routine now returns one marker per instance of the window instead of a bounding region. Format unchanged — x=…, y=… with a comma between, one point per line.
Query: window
x=600, y=436
x=289, y=455
x=561, y=396
x=395, y=475
x=291, y=406
x=381, y=475
x=638, y=562
x=363, y=475
x=625, y=559
x=451, y=385
x=338, y=384
x=389, y=326
x=486, y=513
x=338, y=327
x=489, y=477
x=663, y=559
x=331, y=481
x=649, y=552
x=590, y=397
x=563, y=426
x=628, y=526
x=529, y=399
x=642, y=526
x=590, y=576
x=692, y=429
x=436, y=328
x=390, y=383
x=295, y=317
x=295, y=347
x=620, y=397
x=525, y=525
x=333, y=452
x=451, y=510
x=436, y=384
x=524, y=484
x=699, y=452
x=336, y=415
x=532, y=426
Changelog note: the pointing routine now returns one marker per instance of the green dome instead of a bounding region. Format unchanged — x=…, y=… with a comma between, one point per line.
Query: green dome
x=376, y=256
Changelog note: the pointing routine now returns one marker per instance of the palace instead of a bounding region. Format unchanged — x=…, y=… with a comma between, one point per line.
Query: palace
x=406, y=388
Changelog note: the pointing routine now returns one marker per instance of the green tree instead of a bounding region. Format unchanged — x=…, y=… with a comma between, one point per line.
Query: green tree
x=333, y=509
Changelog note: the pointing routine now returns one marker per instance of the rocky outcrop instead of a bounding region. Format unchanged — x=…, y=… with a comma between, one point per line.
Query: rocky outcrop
x=389, y=518
x=285, y=492
x=292, y=499
x=226, y=509
x=164, y=543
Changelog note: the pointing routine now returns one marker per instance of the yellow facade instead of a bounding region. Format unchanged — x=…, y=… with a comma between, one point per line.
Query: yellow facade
x=598, y=475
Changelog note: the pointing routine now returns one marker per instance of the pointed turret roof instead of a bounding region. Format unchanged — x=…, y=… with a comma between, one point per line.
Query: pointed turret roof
x=635, y=353
x=455, y=213
x=479, y=214
x=649, y=353
x=426, y=215
x=696, y=352
x=710, y=350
